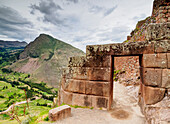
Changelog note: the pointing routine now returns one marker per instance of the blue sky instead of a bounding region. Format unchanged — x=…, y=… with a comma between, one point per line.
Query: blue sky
x=77, y=22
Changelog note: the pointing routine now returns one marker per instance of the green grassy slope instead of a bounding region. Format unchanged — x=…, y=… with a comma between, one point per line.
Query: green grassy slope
x=44, y=59
x=11, y=91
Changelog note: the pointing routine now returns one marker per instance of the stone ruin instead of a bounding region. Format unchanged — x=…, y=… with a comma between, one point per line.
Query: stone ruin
x=88, y=80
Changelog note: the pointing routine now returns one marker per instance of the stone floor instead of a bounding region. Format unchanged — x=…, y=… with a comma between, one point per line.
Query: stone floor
x=125, y=110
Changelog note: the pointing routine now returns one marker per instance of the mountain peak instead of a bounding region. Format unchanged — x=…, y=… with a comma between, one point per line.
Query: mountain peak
x=44, y=44
x=44, y=58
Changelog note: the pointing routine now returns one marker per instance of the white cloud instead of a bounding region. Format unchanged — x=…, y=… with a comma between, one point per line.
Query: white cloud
x=77, y=22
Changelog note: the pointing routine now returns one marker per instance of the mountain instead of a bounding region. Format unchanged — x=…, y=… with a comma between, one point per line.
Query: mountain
x=9, y=51
x=12, y=44
x=44, y=59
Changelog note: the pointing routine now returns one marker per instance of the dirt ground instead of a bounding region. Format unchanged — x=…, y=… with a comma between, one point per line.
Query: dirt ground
x=125, y=110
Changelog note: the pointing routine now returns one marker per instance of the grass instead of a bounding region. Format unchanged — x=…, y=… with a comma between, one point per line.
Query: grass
x=39, y=112
x=11, y=92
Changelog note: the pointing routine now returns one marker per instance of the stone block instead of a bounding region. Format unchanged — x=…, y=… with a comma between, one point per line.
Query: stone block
x=90, y=61
x=80, y=73
x=130, y=48
x=98, y=88
x=106, y=88
x=162, y=46
x=76, y=86
x=66, y=97
x=81, y=100
x=99, y=74
x=154, y=60
x=82, y=86
x=152, y=95
x=166, y=78
x=168, y=57
x=151, y=76
x=99, y=102
x=77, y=61
x=136, y=48
x=98, y=61
x=89, y=86
x=60, y=113
x=73, y=86
x=157, y=31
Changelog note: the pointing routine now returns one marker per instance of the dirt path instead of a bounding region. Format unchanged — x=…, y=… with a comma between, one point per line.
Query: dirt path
x=12, y=106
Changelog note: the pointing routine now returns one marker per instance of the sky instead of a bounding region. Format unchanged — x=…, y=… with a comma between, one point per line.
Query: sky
x=77, y=22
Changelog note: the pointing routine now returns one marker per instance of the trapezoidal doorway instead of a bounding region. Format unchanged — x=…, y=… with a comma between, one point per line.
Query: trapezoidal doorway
x=125, y=83
x=125, y=88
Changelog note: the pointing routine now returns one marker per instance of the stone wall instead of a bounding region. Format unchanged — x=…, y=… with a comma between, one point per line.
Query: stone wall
x=163, y=14
x=155, y=78
x=160, y=14
x=128, y=69
x=88, y=81
x=157, y=4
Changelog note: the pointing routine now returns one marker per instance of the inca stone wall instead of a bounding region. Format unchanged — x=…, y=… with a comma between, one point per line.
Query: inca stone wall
x=160, y=14
x=157, y=4
x=88, y=81
x=163, y=14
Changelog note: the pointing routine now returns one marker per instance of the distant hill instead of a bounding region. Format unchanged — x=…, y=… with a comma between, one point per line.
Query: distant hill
x=12, y=44
x=9, y=51
x=44, y=58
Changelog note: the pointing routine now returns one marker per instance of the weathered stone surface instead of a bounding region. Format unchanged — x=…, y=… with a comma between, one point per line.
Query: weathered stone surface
x=152, y=95
x=151, y=76
x=64, y=83
x=65, y=97
x=76, y=86
x=166, y=78
x=82, y=86
x=80, y=73
x=158, y=31
x=78, y=61
x=100, y=102
x=90, y=101
x=154, y=60
x=82, y=100
x=164, y=114
x=98, y=88
x=162, y=46
x=60, y=113
x=91, y=61
x=131, y=48
x=99, y=74
x=168, y=90
x=73, y=86
x=157, y=115
x=168, y=57
x=106, y=88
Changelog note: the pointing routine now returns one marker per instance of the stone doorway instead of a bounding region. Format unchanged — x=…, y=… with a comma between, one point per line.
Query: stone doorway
x=126, y=85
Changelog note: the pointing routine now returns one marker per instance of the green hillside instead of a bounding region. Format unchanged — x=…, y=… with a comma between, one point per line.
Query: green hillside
x=12, y=91
x=9, y=51
x=44, y=59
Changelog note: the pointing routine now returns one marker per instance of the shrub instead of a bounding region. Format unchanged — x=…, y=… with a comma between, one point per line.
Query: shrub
x=46, y=119
x=2, y=96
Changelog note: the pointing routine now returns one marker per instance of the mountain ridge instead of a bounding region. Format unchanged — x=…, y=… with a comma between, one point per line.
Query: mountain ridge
x=12, y=44
x=44, y=59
